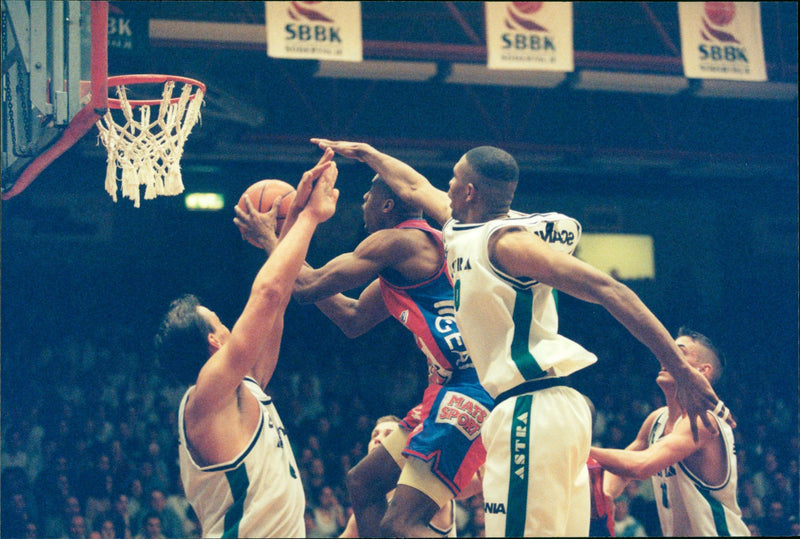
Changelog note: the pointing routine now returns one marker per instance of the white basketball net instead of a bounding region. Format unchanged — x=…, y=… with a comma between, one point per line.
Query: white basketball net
x=149, y=153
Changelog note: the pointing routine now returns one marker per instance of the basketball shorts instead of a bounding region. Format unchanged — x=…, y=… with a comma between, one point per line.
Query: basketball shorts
x=535, y=482
x=448, y=439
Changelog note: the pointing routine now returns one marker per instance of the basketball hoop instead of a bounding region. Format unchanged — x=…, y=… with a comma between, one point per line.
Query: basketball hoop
x=148, y=152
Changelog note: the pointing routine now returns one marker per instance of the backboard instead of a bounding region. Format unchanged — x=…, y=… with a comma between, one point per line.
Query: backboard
x=54, y=82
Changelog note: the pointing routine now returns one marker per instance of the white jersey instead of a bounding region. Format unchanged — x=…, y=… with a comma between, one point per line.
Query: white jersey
x=256, y=494
x=510, y=325
x=688, y=506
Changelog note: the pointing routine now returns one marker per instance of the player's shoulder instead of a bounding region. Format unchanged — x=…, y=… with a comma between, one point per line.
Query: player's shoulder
x=391, y=242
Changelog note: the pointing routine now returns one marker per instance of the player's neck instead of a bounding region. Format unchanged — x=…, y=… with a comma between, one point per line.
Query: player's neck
x=674, y=410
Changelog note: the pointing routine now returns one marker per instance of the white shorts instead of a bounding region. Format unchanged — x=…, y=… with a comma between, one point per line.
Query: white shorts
x=536, y=482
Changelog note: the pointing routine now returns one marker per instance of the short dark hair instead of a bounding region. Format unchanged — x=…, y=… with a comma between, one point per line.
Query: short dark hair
x=182, y=339
x=493, y=164
x=719, y=368
x=401, y=207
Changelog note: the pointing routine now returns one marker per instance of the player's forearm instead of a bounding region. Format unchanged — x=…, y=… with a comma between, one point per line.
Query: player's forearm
x=624, y=463
x=401, y=177
x=614, y=485
x=283, y=266
x=632, y=313
x=341, y=311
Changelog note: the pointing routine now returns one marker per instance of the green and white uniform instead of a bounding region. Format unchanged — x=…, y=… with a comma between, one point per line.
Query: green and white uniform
x=537, y=440
x=257, y=494
x=690, y=507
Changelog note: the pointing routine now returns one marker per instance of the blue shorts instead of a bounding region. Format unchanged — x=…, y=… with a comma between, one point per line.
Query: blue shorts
x=449, y=434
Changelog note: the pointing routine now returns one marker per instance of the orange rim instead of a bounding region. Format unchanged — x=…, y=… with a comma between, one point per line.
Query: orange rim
x=128, y=80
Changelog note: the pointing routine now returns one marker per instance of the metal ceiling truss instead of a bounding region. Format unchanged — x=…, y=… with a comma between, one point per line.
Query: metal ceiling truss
x=347, y=106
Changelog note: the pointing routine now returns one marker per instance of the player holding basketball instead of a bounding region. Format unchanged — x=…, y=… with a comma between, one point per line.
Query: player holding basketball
x=236, y=462
x=505, y=266
x=694, y=480
x=438, y=450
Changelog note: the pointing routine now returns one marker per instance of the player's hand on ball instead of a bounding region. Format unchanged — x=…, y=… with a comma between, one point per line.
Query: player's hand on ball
x=258, y=228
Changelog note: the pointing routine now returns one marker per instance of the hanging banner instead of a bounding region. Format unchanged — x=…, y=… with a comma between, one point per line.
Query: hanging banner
x=529, y=36
x=314, y=30
x=722, y=40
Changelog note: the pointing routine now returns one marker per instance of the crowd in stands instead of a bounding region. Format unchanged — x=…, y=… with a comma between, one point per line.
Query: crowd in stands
x=89, y=444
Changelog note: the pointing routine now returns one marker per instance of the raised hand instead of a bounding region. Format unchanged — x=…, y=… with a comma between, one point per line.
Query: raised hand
x=305, y=188
x=696, y=396
x=322, y=202
x=351, y=150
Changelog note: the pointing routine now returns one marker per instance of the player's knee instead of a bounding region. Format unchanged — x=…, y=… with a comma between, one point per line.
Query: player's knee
x=358, y=484
x=403, y=520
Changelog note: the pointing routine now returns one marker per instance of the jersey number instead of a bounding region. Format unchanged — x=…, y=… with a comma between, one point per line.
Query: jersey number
x=457, y=293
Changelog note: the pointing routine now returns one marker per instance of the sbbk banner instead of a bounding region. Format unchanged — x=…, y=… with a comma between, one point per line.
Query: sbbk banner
x=722, y=40
x=314, y=30
x=529, y=36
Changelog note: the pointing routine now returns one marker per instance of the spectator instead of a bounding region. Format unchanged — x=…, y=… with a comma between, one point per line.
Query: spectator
x=170, y=524
x=311, y=525
x=105, y=527
x=58, y=524
x=151, y=527
x=329, y=519
x=77, y=528
x=120, y=517
x=31, y=531
x=180, y=505
x=15, y=516
x=775, y=523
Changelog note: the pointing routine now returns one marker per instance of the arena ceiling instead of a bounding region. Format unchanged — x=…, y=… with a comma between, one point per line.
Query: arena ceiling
x=263, y=109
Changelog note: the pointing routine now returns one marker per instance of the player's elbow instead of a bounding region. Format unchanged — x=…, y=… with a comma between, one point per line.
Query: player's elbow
x=350, y=325
x=270, y=294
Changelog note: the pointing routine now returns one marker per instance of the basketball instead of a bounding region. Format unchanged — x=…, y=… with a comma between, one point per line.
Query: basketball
x=263, y=193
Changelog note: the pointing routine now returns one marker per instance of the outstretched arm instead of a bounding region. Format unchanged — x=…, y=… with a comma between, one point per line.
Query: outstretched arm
x=521, y=253
x=411, y=186
x=323, y=286
x=643, y=463
x=613, y=483
x=256, y=334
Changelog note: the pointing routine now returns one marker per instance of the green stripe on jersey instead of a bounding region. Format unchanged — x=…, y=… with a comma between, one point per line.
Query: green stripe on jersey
x=238, y=483
x=717, y=512
x=517, y=506
x=520, y=353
